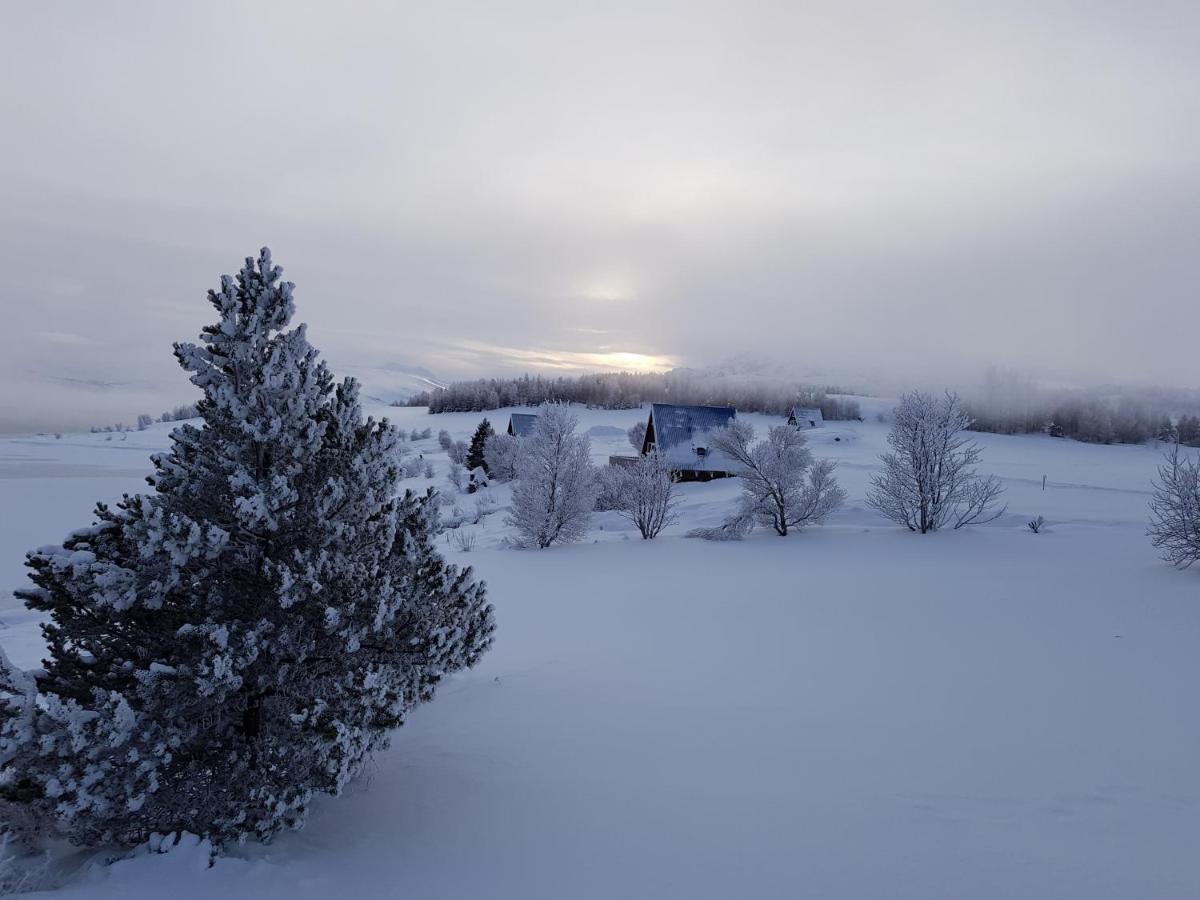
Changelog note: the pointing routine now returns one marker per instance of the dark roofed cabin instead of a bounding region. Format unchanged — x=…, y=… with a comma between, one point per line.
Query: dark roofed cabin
x=520, y=424
x=682, y=436
x=806, y=417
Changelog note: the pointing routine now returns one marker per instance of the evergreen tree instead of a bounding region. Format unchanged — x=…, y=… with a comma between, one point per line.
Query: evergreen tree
x=247, y=633
x=475, y=455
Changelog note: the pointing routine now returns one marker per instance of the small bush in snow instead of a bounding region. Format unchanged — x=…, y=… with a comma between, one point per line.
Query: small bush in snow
x=733, y=529
x=462, y=539
x=414, y=435
x=20, y=872
x=610, y=486
x=457, y=476
x=1175, y=510
x=485, y=506
x=928, y=479
x=428, y=470
x=457, y=451
x=1035, y=524
x=444, y=440
x=783, y=486
x=556, y=482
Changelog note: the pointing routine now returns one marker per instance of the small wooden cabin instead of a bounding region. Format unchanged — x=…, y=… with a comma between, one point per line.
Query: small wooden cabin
x=682, y=436
x=806, y=417
x=520, y=424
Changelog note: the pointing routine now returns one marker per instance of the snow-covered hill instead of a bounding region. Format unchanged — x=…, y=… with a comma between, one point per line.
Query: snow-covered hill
x=853, y=711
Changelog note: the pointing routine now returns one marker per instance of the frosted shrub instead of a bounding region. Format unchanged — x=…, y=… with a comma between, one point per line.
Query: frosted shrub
x=610, y=488
x=783, y=486
x=462, y=539
x=637, y=436
x=457, y=451
x=645, y=495
x=1175, y=510
x=500, y=454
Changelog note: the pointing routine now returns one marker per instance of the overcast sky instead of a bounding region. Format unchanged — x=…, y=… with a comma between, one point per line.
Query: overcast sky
x=900, y=188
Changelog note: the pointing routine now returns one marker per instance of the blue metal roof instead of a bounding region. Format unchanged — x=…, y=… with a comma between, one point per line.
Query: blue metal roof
x=681, y=435
x=521, y=424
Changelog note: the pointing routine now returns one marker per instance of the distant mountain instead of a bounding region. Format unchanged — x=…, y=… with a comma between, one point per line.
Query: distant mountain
x=389, y=382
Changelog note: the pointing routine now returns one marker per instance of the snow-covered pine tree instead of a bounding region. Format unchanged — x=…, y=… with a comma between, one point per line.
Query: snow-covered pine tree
x=243, y=636
x=556, y=481
x=475, y=455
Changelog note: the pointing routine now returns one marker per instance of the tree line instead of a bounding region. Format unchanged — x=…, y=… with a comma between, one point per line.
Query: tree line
x=1006, y=403
x=630, y=390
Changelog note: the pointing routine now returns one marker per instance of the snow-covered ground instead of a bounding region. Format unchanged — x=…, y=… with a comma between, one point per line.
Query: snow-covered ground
x=851, y=711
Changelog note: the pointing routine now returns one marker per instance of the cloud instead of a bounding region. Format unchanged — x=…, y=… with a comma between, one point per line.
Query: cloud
x=925, y=189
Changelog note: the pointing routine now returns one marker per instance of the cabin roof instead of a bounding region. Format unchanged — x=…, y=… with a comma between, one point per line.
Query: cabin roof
x=680, y=424
x=521, y=424
x=678, y=431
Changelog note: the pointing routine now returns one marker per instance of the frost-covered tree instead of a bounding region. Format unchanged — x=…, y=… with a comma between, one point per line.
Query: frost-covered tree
x=556, y=481
x=457, y=451
x=928, y=479
x=1175, y=509
x=783, y=486
x=637, y=436
x=445, y=441
x=645, y=494
x=475, y=458
x=500, y=453
x=610, y=488
x=247, y=633
x=1188, y=430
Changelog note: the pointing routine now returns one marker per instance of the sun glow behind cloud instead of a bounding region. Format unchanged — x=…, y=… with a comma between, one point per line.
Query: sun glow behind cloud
x=563, y=361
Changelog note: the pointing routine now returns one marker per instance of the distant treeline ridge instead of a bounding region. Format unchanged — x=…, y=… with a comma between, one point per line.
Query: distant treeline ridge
x=624, y=390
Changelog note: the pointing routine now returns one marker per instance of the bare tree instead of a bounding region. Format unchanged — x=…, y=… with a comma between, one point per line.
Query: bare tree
x=556, y=481
x=646, y=495
x=1175, y=509
x=782, y=485
x=929, y=480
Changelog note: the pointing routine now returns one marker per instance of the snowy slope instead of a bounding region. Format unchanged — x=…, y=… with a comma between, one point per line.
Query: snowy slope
x=854, y=711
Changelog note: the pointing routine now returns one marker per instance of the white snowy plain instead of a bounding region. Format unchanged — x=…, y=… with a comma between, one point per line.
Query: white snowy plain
x=849, y=712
